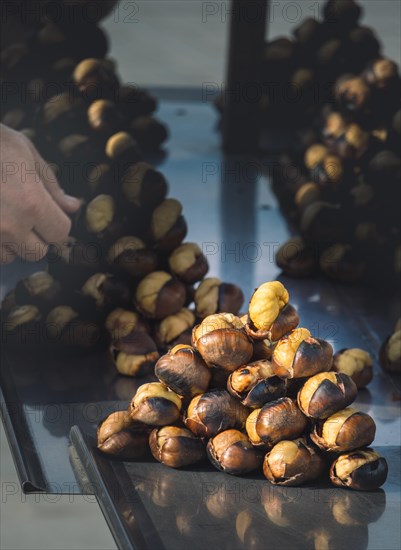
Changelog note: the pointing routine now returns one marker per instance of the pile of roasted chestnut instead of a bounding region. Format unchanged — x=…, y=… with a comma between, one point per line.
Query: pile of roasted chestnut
x=125, y=278
x=63, y=93
x=250, y=392
x=342, y=190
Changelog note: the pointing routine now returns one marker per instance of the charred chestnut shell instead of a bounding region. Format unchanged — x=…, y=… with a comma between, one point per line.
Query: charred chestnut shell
x=326, y=393
x=275, y=421
x=159, y=295
x=292, y=463
x=155, y=405
x=255, y=384
x=390, y=353
x=117, y=438
x=39, y=289
x=213, y=412
x=299, y=355
x=270, y=316
x=134, y=354
x=364, y=470
x=184, y=371
x=212, y=296
x=176, y=447
x=222, y=341
x=188, y=263
x=344, y=430
x=232, y=452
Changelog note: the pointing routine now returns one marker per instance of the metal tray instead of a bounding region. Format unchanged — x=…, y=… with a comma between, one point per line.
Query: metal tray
x=150, y=506
x=233, y=214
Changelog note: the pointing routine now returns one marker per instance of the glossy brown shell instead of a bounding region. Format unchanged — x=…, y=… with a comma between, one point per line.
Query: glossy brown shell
x=286, y=321
x=357, y=431
x=215, y=412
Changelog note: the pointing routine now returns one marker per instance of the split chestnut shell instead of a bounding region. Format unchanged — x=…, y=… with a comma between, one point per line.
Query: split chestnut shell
x=232, y=452
x=344, y=430
x=363, y=469
x=255, y=384
x=213, y=412
x=176, y=447
x=326, y=393
x=292, y=463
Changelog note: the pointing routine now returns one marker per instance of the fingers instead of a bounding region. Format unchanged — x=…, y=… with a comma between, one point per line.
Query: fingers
x=66, y=202
x=31, y=249
x=50, y=222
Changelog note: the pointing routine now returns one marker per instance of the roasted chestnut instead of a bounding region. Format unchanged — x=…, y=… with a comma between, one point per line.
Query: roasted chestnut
x=95, y=79
x=39, y=289
x=144, y=186
x=298, y=355
x=134, y=354
x=213, y=296
x=213, y=412
x=328, y=173
x=104, y=290
x=352, y=93
x=99, y=214
x=175, y=327
x=130, y=255
x=296, y=258
x=275, y=421
x=270, y=316
x=314, y=155
x=183, y=370
x=159, y=295
x=222, y=341
x=188, y=263
x=64, y=326
x=363, y=469
x=123, y=149
x=176, y=447
x=112, y=424
x=121, y=322
x=292, y=463
x=344, y=430
x=390, y=353
x=352, y=144
x=232, y=452
x=326, y=393
x=21, y=326
x=381, y=73
x=168, y=227
x=308, y=192
x=255, y=384
x=335, y=126
x=104, y=118
x=155, y=405
x=115, y=437
x=355, y=362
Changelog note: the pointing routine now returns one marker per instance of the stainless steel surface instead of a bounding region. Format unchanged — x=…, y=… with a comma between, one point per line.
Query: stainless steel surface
x=233, y=214
x=149, y=506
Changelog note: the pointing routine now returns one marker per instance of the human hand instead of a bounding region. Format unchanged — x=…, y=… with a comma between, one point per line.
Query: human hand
x=33, y=207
